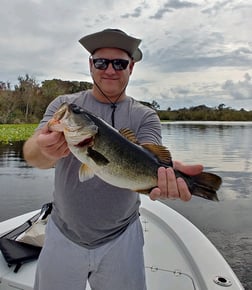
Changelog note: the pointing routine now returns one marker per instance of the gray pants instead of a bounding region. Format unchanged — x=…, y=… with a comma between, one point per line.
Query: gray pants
x=119, y=264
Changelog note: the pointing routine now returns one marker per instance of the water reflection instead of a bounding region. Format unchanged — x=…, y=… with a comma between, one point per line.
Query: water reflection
x=11, y=159
x=222, y=148
x=13, y=164
x=23, y=188
x=10, y=152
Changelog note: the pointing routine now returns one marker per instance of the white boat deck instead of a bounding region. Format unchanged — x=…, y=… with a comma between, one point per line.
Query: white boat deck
x=177, y=255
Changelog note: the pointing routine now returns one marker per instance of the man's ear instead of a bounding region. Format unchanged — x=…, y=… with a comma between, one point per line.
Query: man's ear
x=131, y=66
x=90, y=65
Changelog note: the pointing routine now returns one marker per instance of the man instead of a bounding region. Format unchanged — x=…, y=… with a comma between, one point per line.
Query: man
x=94, y=232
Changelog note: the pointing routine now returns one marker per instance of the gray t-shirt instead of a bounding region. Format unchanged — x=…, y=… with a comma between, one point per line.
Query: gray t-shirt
x=93, y=212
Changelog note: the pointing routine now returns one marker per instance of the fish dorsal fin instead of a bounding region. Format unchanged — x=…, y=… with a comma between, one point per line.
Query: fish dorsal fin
x=161, y=152
x=128, y=134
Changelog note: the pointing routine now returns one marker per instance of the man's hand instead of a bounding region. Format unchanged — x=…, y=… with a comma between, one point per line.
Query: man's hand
x=171, y=187
x=45, y=148
x=52, y=144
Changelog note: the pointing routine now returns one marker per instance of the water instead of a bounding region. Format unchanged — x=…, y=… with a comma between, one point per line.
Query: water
x=224, y=149
x=22, y=188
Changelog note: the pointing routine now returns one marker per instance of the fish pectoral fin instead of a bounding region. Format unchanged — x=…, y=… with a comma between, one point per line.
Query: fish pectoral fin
x=97, y=157
x=161, y=152
x=85, y=173
x=129, y=134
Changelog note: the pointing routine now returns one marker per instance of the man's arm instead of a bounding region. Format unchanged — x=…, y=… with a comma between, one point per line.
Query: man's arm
x=45, y=148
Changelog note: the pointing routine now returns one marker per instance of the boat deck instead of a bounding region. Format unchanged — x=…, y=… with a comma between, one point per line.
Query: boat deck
x=177, y=255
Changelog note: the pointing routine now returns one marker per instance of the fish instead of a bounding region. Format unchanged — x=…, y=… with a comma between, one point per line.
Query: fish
x=117, y=157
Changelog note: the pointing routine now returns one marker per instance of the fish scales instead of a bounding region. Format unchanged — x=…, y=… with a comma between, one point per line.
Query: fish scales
x=128, y=162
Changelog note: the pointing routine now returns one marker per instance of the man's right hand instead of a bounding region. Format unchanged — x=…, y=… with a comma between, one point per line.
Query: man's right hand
x=52, y=144
x=45, y=148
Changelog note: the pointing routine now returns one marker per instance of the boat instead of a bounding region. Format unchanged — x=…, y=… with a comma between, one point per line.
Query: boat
x=178, y=256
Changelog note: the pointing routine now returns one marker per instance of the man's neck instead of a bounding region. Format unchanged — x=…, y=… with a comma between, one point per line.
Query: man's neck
x=104, y=98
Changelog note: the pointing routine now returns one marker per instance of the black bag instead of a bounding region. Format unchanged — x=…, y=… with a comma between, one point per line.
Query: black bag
x=17, y=253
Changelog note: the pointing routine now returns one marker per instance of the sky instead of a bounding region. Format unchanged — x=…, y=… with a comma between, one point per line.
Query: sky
x=195, y=52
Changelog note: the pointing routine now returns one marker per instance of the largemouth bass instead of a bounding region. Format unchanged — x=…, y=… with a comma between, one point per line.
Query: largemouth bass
x=117, y=157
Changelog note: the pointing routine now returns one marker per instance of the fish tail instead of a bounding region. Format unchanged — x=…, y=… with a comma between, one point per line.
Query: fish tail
x=204, y=185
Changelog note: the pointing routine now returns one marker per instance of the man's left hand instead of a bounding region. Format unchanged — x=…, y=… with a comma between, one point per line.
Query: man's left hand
x=171, y=187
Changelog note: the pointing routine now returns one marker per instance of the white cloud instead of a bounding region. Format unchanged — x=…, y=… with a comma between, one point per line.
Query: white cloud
x=239, y=90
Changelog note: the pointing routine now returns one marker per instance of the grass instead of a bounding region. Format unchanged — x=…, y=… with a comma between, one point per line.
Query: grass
x=16, y=132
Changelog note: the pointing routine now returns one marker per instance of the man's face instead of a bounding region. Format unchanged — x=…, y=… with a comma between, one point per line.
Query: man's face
x=111, y=81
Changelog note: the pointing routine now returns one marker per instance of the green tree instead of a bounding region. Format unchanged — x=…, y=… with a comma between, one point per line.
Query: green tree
x=7, y=106
x=27, y=92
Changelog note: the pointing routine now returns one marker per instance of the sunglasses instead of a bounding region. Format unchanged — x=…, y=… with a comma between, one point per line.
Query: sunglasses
x=103, y=63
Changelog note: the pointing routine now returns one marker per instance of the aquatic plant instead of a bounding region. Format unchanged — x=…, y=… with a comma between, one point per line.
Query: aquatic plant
x=16, y=132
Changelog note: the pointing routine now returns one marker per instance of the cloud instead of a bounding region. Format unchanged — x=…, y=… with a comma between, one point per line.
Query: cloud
x=197, y=63
x=217, y=7
x=136, y=13
x=197, y=91
x=199, y=50
x=190, y=95
x=171, y=6
x=239, y=90
x=177, y=4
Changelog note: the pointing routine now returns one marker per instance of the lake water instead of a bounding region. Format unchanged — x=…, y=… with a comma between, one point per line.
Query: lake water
x=223, y=148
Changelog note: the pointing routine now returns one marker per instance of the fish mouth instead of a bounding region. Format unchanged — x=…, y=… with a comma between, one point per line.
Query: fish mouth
x=87, y=142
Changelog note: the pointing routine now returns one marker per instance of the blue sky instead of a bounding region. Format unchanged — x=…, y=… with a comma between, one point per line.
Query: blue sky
x=195, y=52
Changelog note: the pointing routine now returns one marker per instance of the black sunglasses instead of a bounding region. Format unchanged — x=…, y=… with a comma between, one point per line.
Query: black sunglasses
x=103, y=63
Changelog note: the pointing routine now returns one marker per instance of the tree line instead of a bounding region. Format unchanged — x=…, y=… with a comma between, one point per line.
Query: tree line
x=28, y=100
x=204, y=113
